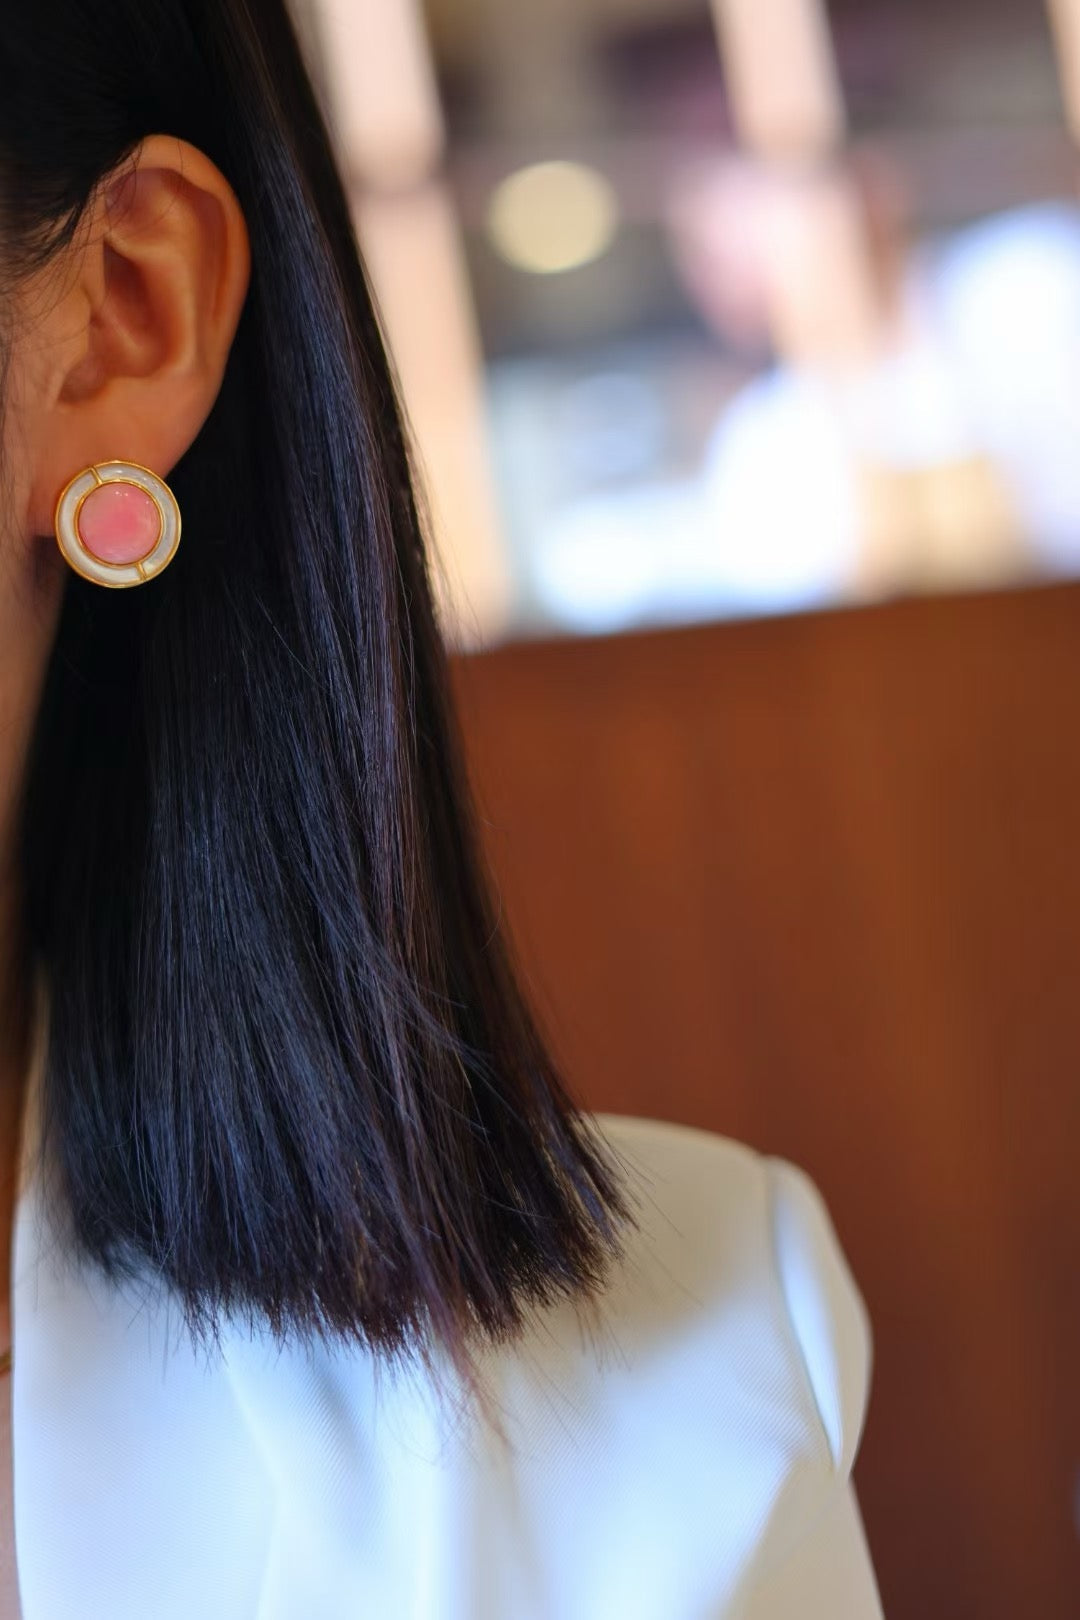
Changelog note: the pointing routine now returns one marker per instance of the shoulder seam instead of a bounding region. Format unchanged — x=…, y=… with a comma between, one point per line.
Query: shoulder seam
x=795, y=1344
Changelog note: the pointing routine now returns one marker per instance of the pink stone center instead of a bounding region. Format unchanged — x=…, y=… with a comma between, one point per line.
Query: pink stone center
x=119, y=523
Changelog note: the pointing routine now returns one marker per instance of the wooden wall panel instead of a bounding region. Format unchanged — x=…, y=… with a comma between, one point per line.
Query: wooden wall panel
x=815, y=883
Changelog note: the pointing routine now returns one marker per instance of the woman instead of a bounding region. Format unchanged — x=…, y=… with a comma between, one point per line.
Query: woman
x=291, y=1175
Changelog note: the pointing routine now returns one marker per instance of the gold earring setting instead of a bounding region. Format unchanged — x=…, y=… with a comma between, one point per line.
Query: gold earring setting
x=117, y=524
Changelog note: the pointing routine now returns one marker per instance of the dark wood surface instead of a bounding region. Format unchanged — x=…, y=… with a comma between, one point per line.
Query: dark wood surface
x=815, y=883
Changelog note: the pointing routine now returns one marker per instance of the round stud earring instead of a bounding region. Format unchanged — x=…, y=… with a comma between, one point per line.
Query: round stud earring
x=117, y=523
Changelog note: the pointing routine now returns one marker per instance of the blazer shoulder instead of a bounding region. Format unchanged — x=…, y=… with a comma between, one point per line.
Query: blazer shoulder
x=748, y=1224
x=829, y=1321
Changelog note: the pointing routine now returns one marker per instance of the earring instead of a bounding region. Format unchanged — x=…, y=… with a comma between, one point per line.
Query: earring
x=117, y=523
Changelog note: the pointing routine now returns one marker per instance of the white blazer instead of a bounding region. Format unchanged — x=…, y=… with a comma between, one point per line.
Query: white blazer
x=692, y=1462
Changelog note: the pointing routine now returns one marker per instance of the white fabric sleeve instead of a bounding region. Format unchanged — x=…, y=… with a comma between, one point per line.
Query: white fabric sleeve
x=822, y=1569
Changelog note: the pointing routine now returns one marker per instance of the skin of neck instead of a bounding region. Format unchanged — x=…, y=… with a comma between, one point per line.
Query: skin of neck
x=31, y=592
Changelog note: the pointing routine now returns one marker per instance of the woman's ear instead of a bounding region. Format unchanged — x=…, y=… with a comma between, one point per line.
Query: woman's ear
x=127, y=365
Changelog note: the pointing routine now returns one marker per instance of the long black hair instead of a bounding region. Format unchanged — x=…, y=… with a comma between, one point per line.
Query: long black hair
x=291, y=1067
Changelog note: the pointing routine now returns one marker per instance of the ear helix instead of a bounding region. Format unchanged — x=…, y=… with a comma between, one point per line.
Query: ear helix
x=117, y=524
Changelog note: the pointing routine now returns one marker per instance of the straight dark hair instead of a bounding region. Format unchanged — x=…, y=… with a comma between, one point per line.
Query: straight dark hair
x=291, y=1068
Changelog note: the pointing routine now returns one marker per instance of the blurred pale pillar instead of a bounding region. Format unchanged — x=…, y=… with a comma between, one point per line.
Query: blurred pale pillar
x=781, y=74
x=788, y=112
x=412, y=251
x=382, y=89
x=387, y=122
x=1065, y=21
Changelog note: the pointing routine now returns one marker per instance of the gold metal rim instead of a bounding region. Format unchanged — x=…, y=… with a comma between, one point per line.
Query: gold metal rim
x=74, y=550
